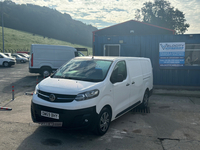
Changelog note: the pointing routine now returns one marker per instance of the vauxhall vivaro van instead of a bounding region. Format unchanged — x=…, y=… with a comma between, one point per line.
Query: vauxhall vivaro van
x=90, y=92
x=45, y=59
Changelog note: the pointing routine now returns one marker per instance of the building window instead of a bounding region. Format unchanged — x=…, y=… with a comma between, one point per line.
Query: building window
x=111, y=50
x=192, y=55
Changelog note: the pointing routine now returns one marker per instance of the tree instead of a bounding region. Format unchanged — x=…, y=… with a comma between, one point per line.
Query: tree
x=138, y=15
x=161, y=13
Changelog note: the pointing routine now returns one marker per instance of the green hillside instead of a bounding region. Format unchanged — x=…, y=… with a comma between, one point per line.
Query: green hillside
x=18, y=40
x=45, y=21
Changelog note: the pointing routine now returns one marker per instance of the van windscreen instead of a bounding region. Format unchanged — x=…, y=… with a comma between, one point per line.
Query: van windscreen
x=91, y=70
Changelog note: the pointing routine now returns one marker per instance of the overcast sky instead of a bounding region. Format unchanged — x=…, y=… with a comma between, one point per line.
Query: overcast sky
x=103, y=13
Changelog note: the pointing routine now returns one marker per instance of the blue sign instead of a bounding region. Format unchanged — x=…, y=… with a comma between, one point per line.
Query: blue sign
x=172, y=54
x=171, y=61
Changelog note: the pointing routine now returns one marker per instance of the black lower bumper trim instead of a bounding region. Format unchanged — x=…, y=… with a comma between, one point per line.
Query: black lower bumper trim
x=71, y=119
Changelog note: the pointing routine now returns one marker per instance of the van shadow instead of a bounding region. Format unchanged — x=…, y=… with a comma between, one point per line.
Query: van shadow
x=58, y=138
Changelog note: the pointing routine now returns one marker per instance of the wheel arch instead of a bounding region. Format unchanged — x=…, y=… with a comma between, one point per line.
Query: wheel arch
x=42, y=67
x=106, y=101
x=109, y=107
x=147, y=90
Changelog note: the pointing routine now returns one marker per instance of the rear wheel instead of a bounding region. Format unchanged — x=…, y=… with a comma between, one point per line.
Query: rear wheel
x=145, y=101
x=5, y=64
x=45, y=72
x=103, y=121
x=22, y=61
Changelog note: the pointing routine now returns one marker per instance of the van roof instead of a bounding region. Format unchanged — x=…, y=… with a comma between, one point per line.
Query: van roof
x=40, y=45
x=110, y=58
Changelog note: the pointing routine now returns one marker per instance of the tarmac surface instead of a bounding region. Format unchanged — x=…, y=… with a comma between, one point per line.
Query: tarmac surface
x=172, y=124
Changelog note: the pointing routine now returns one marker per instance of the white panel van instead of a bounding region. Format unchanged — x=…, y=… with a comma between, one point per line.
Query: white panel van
x=45, y=59
x=90, y=92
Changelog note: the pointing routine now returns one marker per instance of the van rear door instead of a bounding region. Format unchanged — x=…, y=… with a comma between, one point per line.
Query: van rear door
x=147, y=73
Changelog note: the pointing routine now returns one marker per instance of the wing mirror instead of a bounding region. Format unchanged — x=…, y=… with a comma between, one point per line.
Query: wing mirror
x=118, y=78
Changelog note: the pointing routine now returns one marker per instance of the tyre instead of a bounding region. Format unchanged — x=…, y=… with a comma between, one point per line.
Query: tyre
x=45, y=72
x=145, y=101
x=5, y=64
x=22, y=61
x=103, y=121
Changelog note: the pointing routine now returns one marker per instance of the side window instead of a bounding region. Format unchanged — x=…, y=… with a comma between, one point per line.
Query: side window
x=119, y=73
x=78, y=54
x=1, y=56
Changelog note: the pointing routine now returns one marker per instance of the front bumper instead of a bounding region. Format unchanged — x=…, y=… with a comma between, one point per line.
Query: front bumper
x=71, y=119
x=11, y=63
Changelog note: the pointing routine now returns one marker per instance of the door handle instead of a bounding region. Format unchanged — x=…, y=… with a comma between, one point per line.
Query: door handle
x=127, y=84
x=133, y=82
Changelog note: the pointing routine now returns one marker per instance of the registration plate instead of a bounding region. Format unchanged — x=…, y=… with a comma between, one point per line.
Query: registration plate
x=49, y=114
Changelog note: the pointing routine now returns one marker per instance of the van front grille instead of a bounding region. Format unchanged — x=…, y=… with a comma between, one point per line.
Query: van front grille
x=61, y=98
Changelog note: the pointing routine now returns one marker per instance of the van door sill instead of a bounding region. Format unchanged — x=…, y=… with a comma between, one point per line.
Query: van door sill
x=128, y=109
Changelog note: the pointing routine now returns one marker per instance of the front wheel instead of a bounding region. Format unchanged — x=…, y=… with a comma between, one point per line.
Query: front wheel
x=22, y=61
x=5, y=64
x=103, y=121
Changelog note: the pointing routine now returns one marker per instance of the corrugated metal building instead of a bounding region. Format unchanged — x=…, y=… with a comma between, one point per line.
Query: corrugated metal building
x=175, y=58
